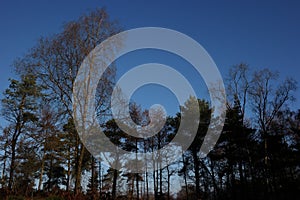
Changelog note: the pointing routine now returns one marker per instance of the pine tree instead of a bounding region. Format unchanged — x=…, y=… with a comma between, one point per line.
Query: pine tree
x=19, y=107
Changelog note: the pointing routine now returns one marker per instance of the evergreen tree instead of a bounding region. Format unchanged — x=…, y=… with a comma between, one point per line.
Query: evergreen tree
x=19, y=106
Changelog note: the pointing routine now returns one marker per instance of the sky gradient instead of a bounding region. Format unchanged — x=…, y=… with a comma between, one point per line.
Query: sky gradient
x=261, y=34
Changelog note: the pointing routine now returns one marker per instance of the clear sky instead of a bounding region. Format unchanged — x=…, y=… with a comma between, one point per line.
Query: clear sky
x=260, y=33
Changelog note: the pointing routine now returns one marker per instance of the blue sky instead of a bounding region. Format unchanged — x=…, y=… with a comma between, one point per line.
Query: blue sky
x=260, y=33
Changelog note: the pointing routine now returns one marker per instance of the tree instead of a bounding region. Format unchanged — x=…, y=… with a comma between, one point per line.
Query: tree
x=191, y=159
x=93, y=184
x=266, y=103
x=238, y=86
x=4, y=145
x=55, y=61
x=46, y=138
x=26, y=168
x=19, y=107
x=115, y=134
x=232, y=152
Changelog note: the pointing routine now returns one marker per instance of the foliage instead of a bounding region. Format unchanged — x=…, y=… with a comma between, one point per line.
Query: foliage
x=41, y=155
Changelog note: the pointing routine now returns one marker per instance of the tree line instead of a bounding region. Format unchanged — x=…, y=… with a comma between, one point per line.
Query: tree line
x=42, y=156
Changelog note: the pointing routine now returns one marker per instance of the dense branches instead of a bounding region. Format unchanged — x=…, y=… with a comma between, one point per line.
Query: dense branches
x=41, y=154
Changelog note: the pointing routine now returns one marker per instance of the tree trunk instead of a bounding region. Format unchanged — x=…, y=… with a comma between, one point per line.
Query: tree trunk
x=93, y=177
x=42, y=172
x=214, y=180
x=137, y=175
x=155, y=186
x=137, y=186
x=242, y=180
x=4, y=168
x=197, y=174
x=132, y=188
x=185, y=179
x=50, y=175
x=12, y=164
x=68, y=170
x=168, y=182
x=266, y=166
x=147, y=186
x=79, y=170
x=100, y=179
x=160, y=183
x=114, y=188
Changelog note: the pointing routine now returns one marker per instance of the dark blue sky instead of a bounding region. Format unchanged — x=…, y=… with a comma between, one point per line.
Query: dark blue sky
x=260, y=33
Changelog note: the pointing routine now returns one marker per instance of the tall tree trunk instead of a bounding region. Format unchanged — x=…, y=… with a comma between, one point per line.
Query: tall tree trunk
x=50, y=175
x=197, y=174
x=93, y=177
x=214, y=180
x=100, y=179
x=4, y=168
x=232, y=182
x=155, y=186
x=132, y=188
x=160, y=183
x=146, y=173
x=137, y=186
x=42, y=172
x=68, y=170
x=168, y=182
x=154, y=171
x=185, y=179
x=242, y=180
x=79, y=171
x=12, y=164
x=266, y=166
x=147, y=186
x=205, y=184
x=114, y=188
x=137, y=175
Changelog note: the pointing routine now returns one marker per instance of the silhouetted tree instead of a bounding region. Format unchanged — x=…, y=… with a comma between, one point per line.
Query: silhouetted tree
x=19, y=106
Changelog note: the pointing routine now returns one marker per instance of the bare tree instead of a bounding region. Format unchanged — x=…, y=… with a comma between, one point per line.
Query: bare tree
x=238, y=85
x=56, y=60
x=267, y=100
